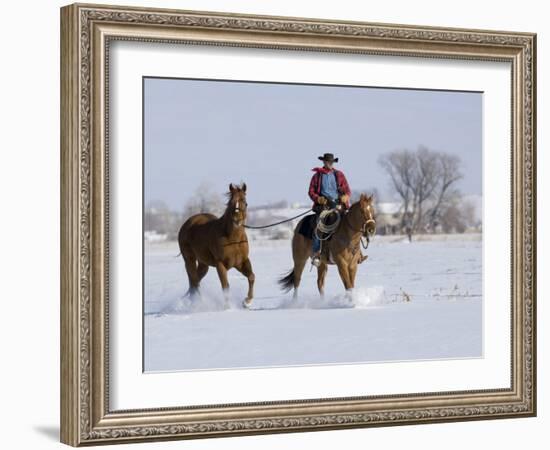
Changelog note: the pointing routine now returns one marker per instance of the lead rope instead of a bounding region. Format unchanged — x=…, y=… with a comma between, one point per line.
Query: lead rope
x=278, y=223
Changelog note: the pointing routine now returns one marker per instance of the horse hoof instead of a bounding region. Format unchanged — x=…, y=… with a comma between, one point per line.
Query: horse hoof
x=247, y=302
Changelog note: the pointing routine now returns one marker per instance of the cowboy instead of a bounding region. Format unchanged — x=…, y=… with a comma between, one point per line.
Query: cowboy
x=328, y=188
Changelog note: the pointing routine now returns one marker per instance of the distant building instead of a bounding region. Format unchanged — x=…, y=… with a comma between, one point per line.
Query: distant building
x=153, y=236
x=388, y=217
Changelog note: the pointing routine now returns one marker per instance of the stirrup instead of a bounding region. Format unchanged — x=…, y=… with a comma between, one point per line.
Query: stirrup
x=316, y=260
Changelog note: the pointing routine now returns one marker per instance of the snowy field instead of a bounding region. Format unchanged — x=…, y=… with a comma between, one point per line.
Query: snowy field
x=419, y=300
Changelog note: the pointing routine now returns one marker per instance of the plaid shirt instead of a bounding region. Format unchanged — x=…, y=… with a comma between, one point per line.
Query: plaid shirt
x=315, y=185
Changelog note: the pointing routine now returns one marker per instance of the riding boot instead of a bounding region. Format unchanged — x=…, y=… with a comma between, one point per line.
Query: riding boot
x=316, y=259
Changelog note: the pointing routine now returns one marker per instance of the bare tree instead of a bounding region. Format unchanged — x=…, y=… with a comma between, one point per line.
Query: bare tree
x=449, y=174
x=423, y=180
x=400, y=166
x=203, y=200
x=457, y=215
x=159, y=218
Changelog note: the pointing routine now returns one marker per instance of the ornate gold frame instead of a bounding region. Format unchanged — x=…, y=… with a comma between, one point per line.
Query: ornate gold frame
x=86, y=31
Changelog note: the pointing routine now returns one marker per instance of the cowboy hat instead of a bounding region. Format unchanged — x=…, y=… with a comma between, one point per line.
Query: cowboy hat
x=328, y=157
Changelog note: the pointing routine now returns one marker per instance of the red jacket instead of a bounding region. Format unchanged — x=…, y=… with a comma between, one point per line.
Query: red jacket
x=315, y=184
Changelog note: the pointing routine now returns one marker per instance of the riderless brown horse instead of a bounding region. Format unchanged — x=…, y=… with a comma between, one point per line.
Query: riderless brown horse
x=208, y=241
x=343, y=247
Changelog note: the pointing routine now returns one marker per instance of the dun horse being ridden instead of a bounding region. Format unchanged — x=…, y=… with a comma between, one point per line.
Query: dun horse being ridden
x=343, y=248
x=207, y=241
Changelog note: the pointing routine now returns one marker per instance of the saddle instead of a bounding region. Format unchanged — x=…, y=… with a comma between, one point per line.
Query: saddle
x=307, y=228
x=308, y=225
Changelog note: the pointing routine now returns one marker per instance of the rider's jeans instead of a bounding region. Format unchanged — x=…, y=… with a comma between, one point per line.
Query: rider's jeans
x=316, y=241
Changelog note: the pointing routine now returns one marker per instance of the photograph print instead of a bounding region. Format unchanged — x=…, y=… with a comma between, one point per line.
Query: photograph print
x=289, y=224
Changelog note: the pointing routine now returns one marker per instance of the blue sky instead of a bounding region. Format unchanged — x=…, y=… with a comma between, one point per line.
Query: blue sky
x=270, y=135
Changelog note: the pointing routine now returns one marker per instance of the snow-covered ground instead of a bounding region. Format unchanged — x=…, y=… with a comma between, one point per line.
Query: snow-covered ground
x=419, y=300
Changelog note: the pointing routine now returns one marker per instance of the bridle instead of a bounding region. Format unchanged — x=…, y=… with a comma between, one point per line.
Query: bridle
x=363, y=230
x=238, y=209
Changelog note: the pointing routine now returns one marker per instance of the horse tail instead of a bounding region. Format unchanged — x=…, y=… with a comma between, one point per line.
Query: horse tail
x=287, y=282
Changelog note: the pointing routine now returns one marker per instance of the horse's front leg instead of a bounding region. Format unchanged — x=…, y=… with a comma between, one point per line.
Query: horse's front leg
x=346, y=275
x=343, y=270
x=246, y=269
x=352, y=269
x=321, y=275
x=352, y=273
x=222, y=274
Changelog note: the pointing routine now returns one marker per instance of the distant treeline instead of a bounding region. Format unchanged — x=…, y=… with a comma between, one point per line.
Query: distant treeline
x=422, y=183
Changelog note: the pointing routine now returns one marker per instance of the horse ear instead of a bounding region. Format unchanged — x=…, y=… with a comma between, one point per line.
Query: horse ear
x=231, y=187
x=362, y=197
x=243, y=187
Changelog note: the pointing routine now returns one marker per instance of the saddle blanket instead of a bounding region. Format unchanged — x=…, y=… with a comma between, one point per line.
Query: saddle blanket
x=307, y=226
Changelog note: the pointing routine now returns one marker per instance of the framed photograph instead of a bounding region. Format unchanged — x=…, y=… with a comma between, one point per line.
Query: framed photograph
x=276, y=224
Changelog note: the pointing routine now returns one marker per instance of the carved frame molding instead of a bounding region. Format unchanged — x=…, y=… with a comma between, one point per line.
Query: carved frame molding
x=86, y=31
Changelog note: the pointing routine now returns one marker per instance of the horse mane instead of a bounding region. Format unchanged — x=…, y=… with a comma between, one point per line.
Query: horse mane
x=353, y=207
x=369, y=198
x=228, y=195
x=226, y=212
